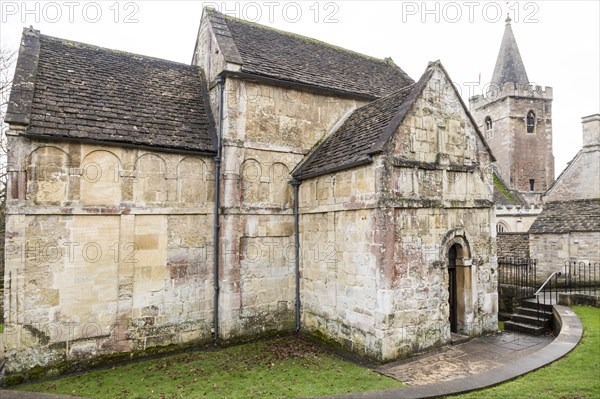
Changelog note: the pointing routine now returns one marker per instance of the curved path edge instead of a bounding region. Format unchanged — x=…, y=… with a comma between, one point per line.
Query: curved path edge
x=570, y=334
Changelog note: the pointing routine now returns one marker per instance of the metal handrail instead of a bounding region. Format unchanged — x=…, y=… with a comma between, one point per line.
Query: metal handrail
x=537, y=293
x=558, y=274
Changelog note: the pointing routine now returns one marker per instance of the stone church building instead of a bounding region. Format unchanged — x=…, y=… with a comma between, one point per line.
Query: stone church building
x=537, y=217
x=516, y=118
x=276, y=184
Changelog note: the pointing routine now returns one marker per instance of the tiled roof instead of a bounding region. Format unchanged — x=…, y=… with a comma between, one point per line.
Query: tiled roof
x=363, y=133
x=353, y=142
x=565, y=216
x=366, y=131
x=281, y=55
x=85, y=92
x=503, y=195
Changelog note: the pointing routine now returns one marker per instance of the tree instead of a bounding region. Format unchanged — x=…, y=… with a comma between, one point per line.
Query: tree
x=7, y=61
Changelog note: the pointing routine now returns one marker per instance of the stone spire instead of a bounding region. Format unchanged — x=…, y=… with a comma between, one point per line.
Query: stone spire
x=509, y=65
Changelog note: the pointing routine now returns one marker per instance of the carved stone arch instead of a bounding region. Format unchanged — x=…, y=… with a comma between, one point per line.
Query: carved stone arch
x=459, y=277
x=140, y=161
x=280, y=191
x=48, y=175
x=502, y=227
x=150, y=183
x=102, y=150
x=488, y=123
x=456, y=236
x=100, y=180
x=531, y=121
x=250, y=180
x=192, y=182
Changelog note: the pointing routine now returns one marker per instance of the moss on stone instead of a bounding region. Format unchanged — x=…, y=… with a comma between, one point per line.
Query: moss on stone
x=69, y=366
x=499, y=185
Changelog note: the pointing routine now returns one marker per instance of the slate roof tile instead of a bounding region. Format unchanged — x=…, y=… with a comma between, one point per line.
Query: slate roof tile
x=504, y=195
x=565, y=216
x=268, y=52
x=87, y=92
x=366, y=131
x=363, y=133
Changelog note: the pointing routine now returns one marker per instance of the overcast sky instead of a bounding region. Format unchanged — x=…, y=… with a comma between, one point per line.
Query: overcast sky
x=559, y=40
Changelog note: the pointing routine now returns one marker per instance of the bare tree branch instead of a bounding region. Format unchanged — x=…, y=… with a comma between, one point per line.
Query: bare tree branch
x=7, y=63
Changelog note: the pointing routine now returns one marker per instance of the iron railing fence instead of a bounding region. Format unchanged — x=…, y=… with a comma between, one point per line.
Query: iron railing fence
x=581, y=277
x=519, y=274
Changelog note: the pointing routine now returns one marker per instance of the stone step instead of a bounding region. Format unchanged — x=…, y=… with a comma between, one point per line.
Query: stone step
x=532, y=303
x=531, y=320
x=533, y=312
x=524, y=328
x=456, y=339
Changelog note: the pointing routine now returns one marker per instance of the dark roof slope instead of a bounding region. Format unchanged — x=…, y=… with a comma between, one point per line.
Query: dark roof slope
x=354, y=142
x=366, y=131
x=505, y=196
x=565, y=216
x=85, y=92
x=281, y=55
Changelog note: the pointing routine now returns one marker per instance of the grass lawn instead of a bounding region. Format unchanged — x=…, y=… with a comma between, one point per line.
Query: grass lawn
x=575, y=376
x=280, y=368
x=288, y=368
x=1, y=328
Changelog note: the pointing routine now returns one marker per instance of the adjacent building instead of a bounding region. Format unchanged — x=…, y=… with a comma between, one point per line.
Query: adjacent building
x=569, y=226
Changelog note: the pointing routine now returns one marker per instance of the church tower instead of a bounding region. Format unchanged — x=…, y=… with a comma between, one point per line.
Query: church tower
x=516, y=117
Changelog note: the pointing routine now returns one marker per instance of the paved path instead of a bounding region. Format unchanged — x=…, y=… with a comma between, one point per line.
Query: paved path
x=507, y=359
x=476, y=364
x=468, y=359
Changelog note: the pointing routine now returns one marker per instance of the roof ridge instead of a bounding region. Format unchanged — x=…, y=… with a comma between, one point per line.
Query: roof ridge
x=573, y=200
x=394, y=93
x=374, y=147
x=563, y=172
x=89, y=46
x=305, y=38
x=386, y=97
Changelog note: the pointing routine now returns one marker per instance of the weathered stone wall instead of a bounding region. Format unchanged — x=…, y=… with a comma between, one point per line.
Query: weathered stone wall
x=339, y=250
x=108, y=250
x=385, y=294
x=513, y=245
x=132, y=232
x=521, y=156
x=445, y=199
x=552, y=250
x=580, y=178
x=515, y=219
x=207, y=53
x=111, y=248
x=267, y=130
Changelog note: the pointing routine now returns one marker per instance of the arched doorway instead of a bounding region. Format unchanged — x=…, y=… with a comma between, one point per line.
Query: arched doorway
x=456, y=253
x=453, y=254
